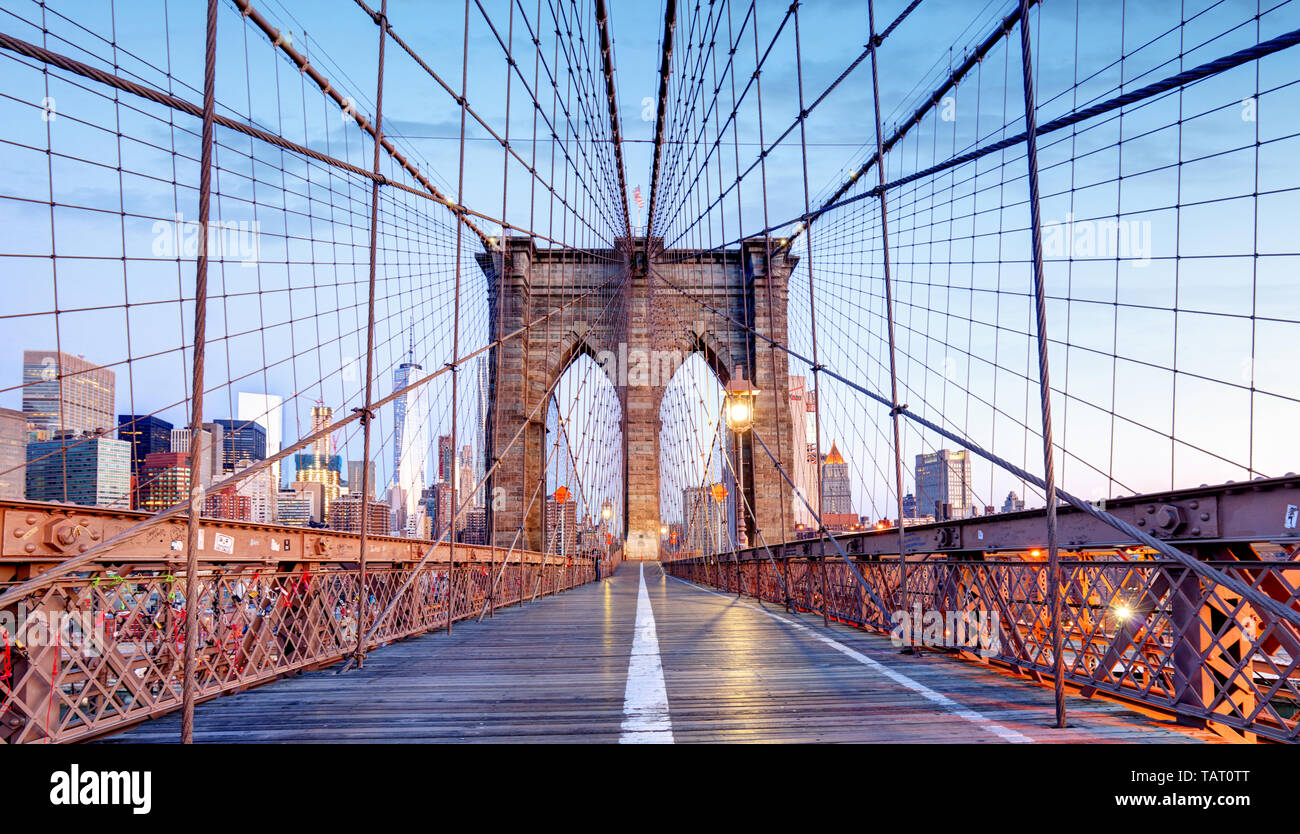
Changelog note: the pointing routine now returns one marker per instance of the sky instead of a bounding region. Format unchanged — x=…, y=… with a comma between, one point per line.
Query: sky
x=1206, y=179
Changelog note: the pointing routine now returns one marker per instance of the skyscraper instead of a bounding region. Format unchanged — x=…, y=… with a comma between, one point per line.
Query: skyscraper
x=180, y=444
x=354, y=478
x=411, y=464
x=164, y=480
x=65, y=393
x=1013, y=504
x=837, y=489
x=561, y=526
x=241, y=440
x=13, y=454
x=97, y=469
x=446, y=460
x=267, y=410
x=319, y=464
x=467, y=480
x=481, y=425
x=147, y=434
x=943, y=484
x=258, y=489
x=229, y=504
x=401, y=379
x=443, y=500
x=346, y=513
x=803, y=413
x=704, y=520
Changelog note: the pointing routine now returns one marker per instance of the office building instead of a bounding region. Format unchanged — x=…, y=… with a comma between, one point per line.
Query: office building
x=345, y=515
x=837, y=488
x=13, y=454
x=303, y=504
x=354, y=478
x=561, y=526
x=444, y=499
x=147, y=435
x=446, y=459
x=402, y=377
x=241, y=440
x=267, y=410
x=259, y=491
x=1013, y=504
x=228, y=504
x=66, y=393
x=943, y=484
x=210, y=440
x=473, y=530
x=318, y=464
x=704, y=519
x=164, y=480
x=803, y=416
x=93, y=470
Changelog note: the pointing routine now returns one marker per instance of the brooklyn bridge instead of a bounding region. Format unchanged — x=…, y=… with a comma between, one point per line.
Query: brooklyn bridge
x=883, y=371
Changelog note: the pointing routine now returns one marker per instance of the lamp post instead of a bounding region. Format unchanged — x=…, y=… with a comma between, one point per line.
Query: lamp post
x=607, y=513
x=738, y=405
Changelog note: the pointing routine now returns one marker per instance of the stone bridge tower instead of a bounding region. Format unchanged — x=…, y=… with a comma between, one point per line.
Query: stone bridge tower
x=647, y=306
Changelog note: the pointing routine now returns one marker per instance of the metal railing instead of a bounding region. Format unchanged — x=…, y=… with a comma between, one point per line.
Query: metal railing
x=91, y=654
x=1149, y=632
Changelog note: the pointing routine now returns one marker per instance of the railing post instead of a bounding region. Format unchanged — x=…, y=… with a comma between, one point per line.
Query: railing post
x=190, y=683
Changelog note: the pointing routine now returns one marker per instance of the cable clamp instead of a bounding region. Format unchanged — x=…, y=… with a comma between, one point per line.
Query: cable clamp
x=897, y=410
x=367, y=415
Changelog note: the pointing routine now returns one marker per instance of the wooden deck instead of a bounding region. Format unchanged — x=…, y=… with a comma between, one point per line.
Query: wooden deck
x=733, y=671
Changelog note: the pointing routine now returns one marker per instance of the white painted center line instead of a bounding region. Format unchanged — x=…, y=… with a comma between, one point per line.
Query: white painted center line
x=645, y=701
x=937, y=698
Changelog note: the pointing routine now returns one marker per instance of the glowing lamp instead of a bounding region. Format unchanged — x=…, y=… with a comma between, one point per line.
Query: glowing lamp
x=607, y=511
x=738, y=404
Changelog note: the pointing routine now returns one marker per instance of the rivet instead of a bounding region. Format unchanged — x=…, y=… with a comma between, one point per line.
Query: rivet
x=30, y=548
x=1196, y=531
x=1205, y=516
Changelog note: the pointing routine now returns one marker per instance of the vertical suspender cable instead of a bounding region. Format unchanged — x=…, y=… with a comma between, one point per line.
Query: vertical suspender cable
x=367, y=412
x=889, y=308
x=455, y=331
x=1044, y=385
x=196, y=399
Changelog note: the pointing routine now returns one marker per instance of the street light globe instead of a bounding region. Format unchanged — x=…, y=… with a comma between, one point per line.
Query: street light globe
x=663, y=529
x=738, y=413
x=738, y=407
x=607, y=511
